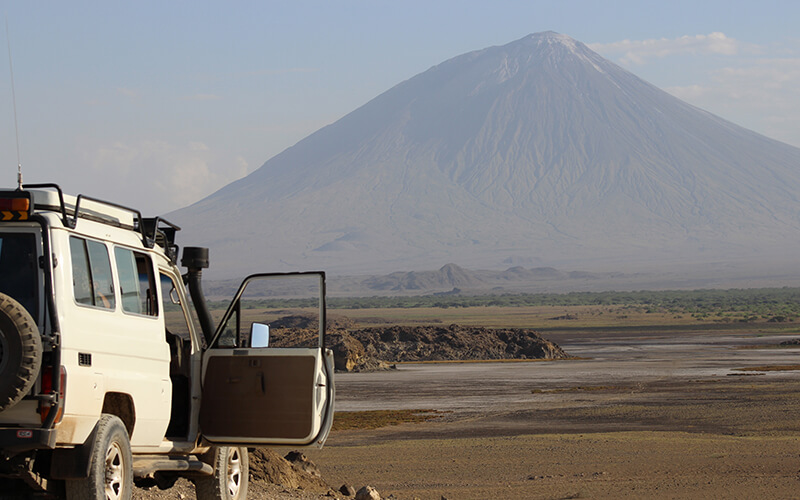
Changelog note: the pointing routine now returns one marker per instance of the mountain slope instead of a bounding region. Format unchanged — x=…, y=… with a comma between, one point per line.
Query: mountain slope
x=537, y=152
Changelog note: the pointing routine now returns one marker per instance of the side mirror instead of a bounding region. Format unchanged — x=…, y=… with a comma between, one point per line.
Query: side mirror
x=259, y=335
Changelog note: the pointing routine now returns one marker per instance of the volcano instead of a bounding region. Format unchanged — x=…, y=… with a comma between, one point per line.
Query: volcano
x=539, y=152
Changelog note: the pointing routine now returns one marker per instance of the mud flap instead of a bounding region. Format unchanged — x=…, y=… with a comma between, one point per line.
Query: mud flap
x=72, y=463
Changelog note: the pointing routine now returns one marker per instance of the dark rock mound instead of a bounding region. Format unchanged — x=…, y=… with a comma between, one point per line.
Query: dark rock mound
x=375, y=348
x=454, y=342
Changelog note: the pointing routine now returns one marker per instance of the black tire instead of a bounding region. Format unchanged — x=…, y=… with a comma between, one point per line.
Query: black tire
x=231, y=474
x=20, y=352
x=111, y=467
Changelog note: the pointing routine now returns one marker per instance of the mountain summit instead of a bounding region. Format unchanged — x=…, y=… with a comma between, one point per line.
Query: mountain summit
x=538, y=152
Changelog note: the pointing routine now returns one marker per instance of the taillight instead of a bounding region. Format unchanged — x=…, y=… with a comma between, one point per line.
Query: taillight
x=47, y=388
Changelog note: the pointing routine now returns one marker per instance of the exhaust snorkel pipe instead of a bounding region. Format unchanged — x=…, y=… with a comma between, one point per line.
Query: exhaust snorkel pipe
x=195, y=259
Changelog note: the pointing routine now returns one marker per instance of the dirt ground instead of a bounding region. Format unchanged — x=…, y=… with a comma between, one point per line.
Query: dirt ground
x=639, y=415
x=726, y=439
x=644, y=416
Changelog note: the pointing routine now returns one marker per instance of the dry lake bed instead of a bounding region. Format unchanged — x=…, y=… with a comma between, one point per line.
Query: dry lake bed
x=700, y=414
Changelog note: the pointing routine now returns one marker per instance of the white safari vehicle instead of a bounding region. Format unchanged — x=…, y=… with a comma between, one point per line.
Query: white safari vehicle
x=111, y=372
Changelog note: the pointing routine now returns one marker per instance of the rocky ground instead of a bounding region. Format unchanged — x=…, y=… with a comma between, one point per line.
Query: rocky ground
x=633, y=415
x=729, y=437
x=272, y=476
x=636, y=415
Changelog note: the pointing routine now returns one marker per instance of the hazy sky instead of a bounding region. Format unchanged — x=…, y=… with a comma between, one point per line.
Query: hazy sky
x=156, y=104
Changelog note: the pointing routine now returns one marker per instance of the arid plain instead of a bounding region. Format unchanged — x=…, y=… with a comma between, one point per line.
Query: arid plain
x=656, y=406
x=653, y=406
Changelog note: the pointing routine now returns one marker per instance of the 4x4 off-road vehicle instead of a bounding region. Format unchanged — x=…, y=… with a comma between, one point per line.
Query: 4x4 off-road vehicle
x=105, y=377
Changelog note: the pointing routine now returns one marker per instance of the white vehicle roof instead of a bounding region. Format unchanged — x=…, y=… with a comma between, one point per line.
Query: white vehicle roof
x=49, y=200
x=57, y=207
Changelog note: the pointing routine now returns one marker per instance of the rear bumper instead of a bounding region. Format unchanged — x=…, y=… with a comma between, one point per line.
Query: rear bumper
x=18, y=440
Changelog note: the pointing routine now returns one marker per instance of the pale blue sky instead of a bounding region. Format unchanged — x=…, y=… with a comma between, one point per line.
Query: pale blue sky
x=125, y=101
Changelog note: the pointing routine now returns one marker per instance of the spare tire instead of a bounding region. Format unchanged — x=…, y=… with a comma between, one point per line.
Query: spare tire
x=20, y=352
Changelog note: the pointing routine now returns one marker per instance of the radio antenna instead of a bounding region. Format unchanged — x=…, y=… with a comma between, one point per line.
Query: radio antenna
x=14, y=102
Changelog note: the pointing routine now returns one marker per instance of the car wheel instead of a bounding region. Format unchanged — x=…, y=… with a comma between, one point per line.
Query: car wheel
x=111, y=467
x=231, y=474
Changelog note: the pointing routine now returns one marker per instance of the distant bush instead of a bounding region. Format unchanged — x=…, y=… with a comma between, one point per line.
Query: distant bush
x=740, y=305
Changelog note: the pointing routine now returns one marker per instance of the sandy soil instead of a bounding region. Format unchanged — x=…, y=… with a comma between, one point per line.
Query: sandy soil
x=641, y=416
x=643, y=464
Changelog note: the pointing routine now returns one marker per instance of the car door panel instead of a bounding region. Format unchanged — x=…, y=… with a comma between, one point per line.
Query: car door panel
x=268, y=395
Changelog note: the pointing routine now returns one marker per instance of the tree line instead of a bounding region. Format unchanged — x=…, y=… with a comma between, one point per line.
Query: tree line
x=763, y=302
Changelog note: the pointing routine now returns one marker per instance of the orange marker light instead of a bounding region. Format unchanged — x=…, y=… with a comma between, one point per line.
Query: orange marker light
x=21, y=204
x=15, y=209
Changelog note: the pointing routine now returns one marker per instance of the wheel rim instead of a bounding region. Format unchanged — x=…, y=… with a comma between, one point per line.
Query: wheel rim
x=234, y=472
x=115, y=472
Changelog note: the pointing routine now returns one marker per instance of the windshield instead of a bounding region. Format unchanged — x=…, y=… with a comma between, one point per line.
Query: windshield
x=18, y=269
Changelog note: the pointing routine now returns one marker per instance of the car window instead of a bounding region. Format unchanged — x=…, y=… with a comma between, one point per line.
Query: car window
x=137, y=290
x=174, y=317
x=18, y=269
x=91, y=273
x=81, y=279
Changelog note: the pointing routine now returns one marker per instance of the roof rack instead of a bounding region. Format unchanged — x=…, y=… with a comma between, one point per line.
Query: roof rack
x=162, y=232
x=153, y=230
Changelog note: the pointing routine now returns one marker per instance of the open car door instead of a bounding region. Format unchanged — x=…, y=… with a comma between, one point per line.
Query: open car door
x=267, y=377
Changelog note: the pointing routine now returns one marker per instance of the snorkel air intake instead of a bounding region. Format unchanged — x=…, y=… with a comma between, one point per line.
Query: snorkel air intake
x=195, y=259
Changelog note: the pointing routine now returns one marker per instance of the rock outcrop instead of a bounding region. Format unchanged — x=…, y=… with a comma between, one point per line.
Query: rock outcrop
x=350, y=355
x=455, y=342
x=376, y=348
x=294, y=472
